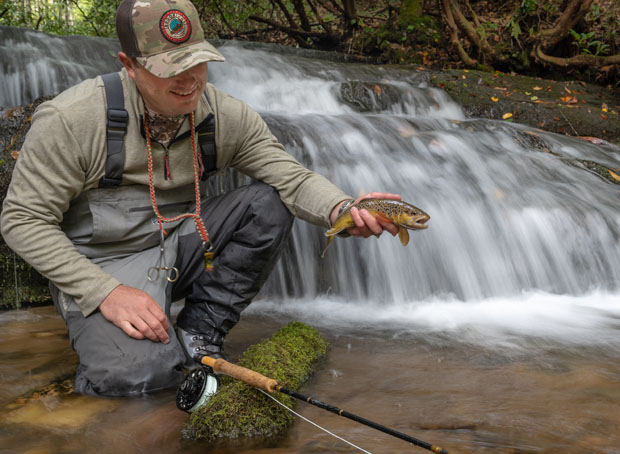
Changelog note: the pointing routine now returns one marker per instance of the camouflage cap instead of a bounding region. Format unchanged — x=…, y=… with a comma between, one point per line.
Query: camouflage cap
x=165, y=36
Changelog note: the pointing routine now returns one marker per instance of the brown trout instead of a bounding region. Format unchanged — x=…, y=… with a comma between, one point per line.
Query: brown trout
x=399, y=213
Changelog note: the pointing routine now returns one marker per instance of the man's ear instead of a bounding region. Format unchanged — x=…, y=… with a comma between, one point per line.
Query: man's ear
x=128, y=63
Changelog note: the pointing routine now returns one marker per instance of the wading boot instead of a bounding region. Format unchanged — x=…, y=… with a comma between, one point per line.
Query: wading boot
x=198, y=345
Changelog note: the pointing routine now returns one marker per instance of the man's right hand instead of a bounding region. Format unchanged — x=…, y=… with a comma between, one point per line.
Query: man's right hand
x=136, y=313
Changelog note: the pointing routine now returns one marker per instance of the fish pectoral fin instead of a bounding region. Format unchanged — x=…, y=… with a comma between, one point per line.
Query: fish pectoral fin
x=384, y=218
x=403, y=234
x=329, y=240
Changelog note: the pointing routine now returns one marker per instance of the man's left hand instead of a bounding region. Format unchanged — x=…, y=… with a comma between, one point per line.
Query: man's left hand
x=366, y=224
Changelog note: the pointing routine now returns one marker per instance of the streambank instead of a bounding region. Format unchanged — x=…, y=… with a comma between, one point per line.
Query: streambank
x=564, y=107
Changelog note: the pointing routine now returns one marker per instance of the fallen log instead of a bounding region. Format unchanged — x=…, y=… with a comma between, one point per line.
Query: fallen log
x=239, y=411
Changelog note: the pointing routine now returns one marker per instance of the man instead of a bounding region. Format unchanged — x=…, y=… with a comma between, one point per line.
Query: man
x=117, y=254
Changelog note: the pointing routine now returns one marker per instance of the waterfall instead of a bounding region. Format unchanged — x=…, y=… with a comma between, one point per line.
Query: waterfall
x=522, y=239
x=34, y=64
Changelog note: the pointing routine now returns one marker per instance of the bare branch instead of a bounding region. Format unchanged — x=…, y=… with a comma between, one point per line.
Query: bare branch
x=473, y=14
x=301, y=12
x=286, y=13
x=324, y=24
x=332, y=5
x=573, y=13
x=223, y=16
x=295, y=33
x=577, y=60
x=454, y=37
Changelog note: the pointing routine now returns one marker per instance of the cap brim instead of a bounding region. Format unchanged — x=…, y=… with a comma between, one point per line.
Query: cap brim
x=171, y=63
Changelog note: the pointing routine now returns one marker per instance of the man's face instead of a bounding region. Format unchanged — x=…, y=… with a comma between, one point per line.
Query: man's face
x=176, y=95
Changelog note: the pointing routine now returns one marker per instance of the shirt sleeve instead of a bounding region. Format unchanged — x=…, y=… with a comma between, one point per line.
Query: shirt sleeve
x=257, y=153
x=51, y=170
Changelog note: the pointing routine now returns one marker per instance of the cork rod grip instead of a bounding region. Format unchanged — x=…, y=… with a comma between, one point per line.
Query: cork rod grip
x=241, y=373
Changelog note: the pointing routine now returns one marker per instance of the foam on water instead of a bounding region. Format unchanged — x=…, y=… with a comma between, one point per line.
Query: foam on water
x=589, y=320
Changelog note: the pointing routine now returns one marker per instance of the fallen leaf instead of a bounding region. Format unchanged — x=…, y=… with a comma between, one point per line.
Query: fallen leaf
x=15, y=154
x=594, y=140
x=407, y=131
x=604, y=107
x=569, y=99
x=464, y=76
x=614, y=175
x=604, y=117
x=537, y=88
x=534, y=98
x=378, y=90
x=507, y=116
x=494, y=99
x=500, y=88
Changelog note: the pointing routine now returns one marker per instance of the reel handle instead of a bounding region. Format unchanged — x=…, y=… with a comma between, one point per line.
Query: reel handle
x=248, y=376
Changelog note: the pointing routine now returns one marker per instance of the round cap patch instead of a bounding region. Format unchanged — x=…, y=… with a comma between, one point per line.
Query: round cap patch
x=175, y=26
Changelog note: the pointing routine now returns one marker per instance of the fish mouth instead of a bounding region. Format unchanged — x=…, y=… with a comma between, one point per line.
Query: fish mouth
x=419, y=221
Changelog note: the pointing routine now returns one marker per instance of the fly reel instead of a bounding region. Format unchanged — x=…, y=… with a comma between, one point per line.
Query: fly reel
x=197, y=388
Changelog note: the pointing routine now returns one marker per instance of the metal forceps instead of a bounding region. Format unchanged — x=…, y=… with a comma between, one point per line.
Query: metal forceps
x=171, y=272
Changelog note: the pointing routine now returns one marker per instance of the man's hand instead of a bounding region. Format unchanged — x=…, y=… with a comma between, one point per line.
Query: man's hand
x=365, y=223
x=137, y=313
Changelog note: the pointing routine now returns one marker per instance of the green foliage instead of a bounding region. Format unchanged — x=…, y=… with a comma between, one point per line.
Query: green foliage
x=586, y=41
x=62, y=17
x=526, y=9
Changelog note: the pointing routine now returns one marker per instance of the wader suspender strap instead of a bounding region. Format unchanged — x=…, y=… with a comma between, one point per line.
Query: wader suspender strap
x=206, y=139
x=117, y=118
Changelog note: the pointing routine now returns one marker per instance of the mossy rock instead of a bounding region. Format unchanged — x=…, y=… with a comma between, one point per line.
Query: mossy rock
x=239, y=411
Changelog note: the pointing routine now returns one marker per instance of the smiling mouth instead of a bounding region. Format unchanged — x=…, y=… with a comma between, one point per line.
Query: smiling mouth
x=185, y=93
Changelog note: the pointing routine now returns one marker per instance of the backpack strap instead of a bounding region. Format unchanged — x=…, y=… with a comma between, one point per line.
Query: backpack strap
x=117, y=118
x=206, y=139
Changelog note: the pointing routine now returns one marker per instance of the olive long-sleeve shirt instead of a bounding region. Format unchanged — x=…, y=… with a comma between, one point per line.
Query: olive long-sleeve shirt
x=64, y=154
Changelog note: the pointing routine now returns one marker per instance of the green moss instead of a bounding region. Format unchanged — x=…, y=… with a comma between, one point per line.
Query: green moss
x=240, y=411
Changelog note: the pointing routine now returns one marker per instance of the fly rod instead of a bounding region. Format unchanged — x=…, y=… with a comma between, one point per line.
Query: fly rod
x=270, y=385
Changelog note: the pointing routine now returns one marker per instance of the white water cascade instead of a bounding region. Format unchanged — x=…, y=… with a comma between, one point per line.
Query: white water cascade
x=523, y=242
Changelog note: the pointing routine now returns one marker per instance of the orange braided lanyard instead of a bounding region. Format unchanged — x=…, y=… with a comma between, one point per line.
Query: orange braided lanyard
x=207, y=246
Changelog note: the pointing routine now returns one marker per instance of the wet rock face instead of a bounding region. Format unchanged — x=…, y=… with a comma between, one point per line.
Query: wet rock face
x=564, y=107
x=19, y=282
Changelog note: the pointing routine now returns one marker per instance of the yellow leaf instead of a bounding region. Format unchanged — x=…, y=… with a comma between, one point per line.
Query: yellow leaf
x=494, y=99
x=604, y=107
x=507, y=116
x=538, y=88
x=614, y=175
x=378, y=90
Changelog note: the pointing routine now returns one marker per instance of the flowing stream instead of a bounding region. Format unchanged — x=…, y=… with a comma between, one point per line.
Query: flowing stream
x=494, y=330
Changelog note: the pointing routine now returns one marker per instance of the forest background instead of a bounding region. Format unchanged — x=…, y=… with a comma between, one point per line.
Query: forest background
x=556, y=39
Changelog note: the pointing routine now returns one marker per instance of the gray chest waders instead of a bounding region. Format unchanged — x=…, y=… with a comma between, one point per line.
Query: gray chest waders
x=116, y=221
